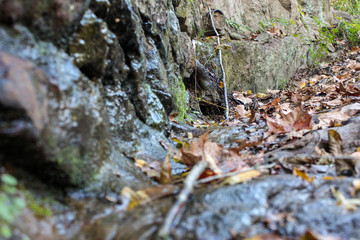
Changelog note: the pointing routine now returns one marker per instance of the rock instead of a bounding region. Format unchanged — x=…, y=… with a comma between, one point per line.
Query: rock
x=62, y=119
x=283, y=204
x=51, y=20
x=189, y=17
x=97, y=52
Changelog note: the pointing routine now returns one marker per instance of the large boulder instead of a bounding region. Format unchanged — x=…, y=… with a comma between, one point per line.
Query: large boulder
x=55, y=129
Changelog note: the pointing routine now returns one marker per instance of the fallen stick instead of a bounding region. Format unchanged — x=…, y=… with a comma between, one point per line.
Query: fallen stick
x=189, y=183
x=230, y=174
x=221, y=65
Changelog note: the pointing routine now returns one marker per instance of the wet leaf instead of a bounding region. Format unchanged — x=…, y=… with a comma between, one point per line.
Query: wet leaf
x=303, y=175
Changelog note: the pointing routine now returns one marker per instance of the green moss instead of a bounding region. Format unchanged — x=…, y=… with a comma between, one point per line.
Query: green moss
x=179, y=94
x=38, y=206
x=70, y=159
x=39, y=211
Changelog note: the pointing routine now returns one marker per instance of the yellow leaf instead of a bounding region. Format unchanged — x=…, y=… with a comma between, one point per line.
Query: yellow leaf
x=132, y=198
x=349, y=204
x=140, y=163
x=303, y=175
x=248, y=92
x=261, y=95
x=254, y=238
x=303, y=84
x=329, y=178
x=242, y=177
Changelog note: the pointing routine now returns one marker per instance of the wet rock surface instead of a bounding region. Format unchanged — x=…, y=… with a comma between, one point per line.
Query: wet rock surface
x=286, y=205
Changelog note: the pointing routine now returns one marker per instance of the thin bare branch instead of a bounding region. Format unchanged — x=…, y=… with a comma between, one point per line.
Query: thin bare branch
x=189, y=183
x=221, y=65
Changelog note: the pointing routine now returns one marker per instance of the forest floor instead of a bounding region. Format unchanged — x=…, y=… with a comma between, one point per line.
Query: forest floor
x=310, y=130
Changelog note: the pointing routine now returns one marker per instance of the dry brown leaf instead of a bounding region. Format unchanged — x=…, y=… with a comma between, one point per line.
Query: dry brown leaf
x=165, y=174
x=334, y=116
x=296, y=120
x=173, y=116
x=219, y=158
x=335, y=142
x=240, y=109
x=241, y=97
x=152, y=169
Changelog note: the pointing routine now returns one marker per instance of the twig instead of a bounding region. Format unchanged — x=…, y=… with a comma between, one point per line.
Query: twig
x=174, y=212
x=230, y=174
x=221, y=65
x=194, y=48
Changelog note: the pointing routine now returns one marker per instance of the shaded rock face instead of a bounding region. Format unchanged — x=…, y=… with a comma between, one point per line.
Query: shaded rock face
x=83, y=107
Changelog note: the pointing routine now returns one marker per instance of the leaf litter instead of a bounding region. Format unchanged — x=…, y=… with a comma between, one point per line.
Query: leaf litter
x=288, y=123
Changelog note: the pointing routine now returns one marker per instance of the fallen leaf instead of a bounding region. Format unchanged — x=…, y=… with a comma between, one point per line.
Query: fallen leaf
x=265, y=237
x=303, y=175
x=172, y=117
x=242, y=177
x=296, y=120
x=165, y=173
x=335, y=142
x=220, y=160
x=130, y=198
x=240, y=109
x=261, y=95
x=309, y=235
x=326, y=119
x=349, y=204
x=152, y=169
